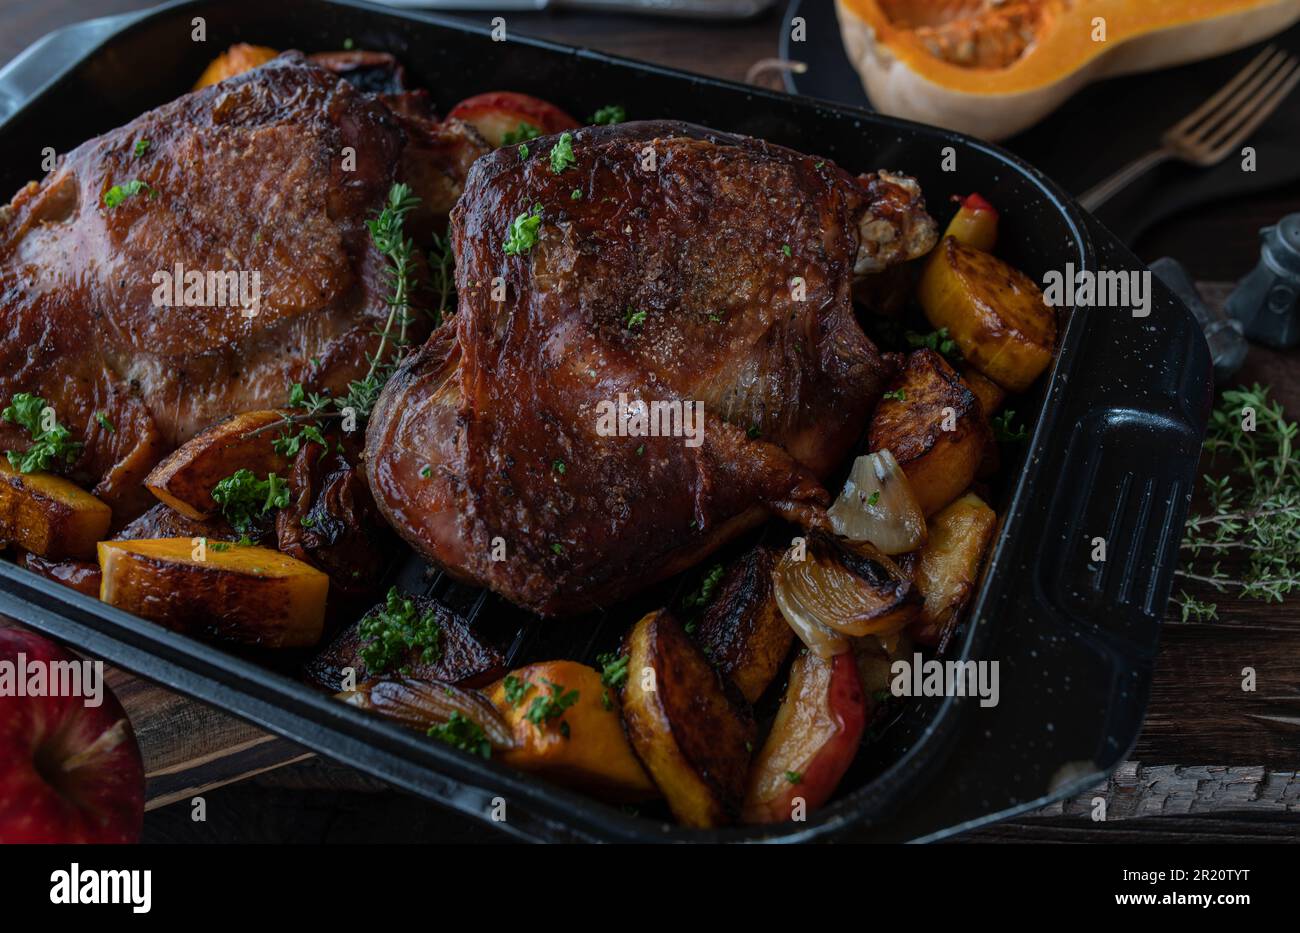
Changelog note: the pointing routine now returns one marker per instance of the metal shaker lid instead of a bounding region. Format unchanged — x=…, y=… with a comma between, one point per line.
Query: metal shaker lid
x=1281, y=245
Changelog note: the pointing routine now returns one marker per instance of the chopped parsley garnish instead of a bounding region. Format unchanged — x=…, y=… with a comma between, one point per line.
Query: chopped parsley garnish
x=522, y=235
x=544, y=708
x=613, y=669
x=873, y=498
x=515, y=689
x=703, y=594
x=558, y=466
x=426, y=471
x=521, y=133
x=523, y=150
x=881, y=696
x=558, y=549
x=640, y=450
x=898, y=395
x=244, y=498
x=794, y=777
x=608, y=115
x=463, y=733
x=753, y=432
x=635, y=318
x=1004, y=431
x=937, y=340
x=217, y=546
x=562, y=154
x=119, y=193
x=102, y=420
x=395, y=630
x=307, y=521
x=785, y=248
x=576, y=195
x=141, y=147
x=26, y=410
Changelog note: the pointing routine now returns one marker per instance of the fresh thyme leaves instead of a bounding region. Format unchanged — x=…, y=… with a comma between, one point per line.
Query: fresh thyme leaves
x=51, y=441
x=103, y=421
x=521, y=133
x=703, y=594
x=546, y=707
x=874, y=497
x=613, y=669
x=635, y=318
x=576, y=194
x=794, y=777
x=396, y=629
x=522, y=235
x=562, y=156
x=1252, y=514
x=463, y=733
x=515, y=689
x=244, y=498
x=559, y=467
x=898, y=395
x=1004, y=431
x=608, y=115
x=140, y=148
x=442, y=271
x=937, y=340
x=119, y=193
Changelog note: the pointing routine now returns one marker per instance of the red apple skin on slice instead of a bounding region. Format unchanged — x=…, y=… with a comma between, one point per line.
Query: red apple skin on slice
x=813, y=740
x=69, y=773
x=497, y=113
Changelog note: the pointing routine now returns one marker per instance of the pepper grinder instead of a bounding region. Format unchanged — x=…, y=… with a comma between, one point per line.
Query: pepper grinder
x=1265, y=300
x=1222, y=334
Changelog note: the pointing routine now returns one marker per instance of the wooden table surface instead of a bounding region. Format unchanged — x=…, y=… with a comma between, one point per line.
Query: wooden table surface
x=1213, y=763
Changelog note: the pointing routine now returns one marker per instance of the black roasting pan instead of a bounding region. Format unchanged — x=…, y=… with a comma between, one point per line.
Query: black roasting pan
x=1115, y=432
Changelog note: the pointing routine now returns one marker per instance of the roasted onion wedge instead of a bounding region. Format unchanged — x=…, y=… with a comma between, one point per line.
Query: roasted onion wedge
x=423, y=704
x=846, y=588
x=877, y=505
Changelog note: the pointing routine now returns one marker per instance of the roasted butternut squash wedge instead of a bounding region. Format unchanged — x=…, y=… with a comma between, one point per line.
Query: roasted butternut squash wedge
x=251, y=595
x=184, y=480
x=688, y=725
x=995, y=313
x=235, y=60
x=743, y=633
x=566, y=726
x=975, y=224
x=933, y=425
x=947, y=568
x=49, y=515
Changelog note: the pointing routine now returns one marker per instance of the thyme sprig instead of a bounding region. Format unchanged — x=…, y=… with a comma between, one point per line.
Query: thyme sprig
x=1252, y=513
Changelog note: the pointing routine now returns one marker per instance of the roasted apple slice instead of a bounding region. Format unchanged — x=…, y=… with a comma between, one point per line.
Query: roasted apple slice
x=975, y=224
x=689, y=726
x=932, y=424
x=251, y=595
x=566, y=726
x=49, y=515
x=742, y=631
x=504, y=117
x=184, y=480
x=995, y=313
x=947, y=568
x=455, y=654
x=813, y=740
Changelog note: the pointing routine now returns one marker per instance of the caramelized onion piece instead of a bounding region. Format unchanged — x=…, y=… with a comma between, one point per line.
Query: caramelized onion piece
x=877, y=505
x=841, y=588
x=421, y=704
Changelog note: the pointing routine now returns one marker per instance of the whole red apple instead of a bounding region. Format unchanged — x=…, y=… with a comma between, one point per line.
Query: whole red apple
x=69, y=772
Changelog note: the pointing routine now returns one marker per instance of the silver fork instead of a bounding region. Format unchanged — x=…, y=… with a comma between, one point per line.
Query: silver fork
x=1206, y=135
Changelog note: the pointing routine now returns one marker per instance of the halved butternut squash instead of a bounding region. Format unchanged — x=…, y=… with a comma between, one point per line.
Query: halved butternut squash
x=992, y=68
x=49, y=515
x=184, y=480
x=251, y=595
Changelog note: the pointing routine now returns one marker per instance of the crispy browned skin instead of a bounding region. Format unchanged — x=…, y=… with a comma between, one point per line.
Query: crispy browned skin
x=244, y=175
x=743, y=633
x=464, y=443
x=465, y=659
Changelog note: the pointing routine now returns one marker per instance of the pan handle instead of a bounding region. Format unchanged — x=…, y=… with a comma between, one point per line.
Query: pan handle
x=1076, y=592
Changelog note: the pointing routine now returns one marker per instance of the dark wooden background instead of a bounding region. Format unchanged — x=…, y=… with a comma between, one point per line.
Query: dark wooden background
x=1213, y=763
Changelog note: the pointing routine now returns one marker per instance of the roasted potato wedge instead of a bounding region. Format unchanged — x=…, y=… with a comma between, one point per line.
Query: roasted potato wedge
x=947, y=568
x=689, y=726
x=995, y=313
x=990, y=394
x=251, y=595
x=933, y=425
x=566, y=726
x=463, y=658
x=49, y=515
x=184, y=480
x=813, y=740
x=742, y=631
x=235, y=60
